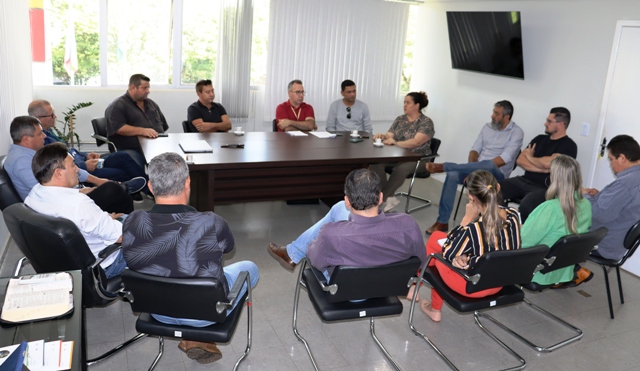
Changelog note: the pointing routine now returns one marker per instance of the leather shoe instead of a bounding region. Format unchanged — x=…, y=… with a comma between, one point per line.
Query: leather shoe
x=203, y=353
x=433, y=167
x=582, y=275
x=281, y=255
x=437, y=226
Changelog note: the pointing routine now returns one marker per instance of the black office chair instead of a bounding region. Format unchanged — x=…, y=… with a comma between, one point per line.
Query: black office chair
x=8, y=193
x=55, y=244
x=274, y=125
x=380, y=286
x=435, y=145
x=188, y=127
x=464, y=185
x=631, y=242
x=566, y=252
x=100, y=133
x=505, y=268
x=197, y=298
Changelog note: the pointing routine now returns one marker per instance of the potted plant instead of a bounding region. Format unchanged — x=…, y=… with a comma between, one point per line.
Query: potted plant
x=68, y=133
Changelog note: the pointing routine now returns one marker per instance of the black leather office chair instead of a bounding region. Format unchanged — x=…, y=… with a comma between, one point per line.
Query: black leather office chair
x=55, y=244
x=435, y=145
x=188, y=127
x=631, y=242
x=100, y=133
x=380, y=286
x=8, y=193
x=505, y=269
x=274, y=125
x=566, y=252
x=197, y=298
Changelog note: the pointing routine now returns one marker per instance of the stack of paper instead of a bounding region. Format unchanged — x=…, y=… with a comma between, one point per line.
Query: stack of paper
x=195, y=146
x=297, y=133
x=323, y=134
x=36, y=297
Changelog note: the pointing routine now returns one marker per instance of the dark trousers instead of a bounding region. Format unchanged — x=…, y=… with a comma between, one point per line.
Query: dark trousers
x=531, y=194
x=112, y=198
x=120, y=166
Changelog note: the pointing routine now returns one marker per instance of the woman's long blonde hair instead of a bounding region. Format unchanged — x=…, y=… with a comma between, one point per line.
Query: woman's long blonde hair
x=566, y=183
x=484, y=186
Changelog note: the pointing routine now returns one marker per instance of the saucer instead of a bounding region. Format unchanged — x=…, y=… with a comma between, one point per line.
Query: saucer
x=378, y=144
x=238, y=133
x=354, y=136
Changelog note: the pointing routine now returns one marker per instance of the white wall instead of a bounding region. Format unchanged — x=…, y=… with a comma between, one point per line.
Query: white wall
x=566, y=47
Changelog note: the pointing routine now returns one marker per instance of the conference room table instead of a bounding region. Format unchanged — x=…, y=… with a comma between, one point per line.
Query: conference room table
x=272, y=165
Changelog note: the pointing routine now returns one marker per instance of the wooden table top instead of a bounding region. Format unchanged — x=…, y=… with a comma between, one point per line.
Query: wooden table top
x=267, y=149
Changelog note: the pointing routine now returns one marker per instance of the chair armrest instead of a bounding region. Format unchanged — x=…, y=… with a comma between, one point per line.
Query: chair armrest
x=473, y=279
x=234, y=293
x=322, y=280
x=104, y=139
x=107, y=251
x=429, y=157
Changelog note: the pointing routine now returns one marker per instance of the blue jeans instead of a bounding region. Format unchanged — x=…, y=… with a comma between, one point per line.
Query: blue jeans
x=115, y=268
x=297, y=249
x=231, y=273
x=455, y=175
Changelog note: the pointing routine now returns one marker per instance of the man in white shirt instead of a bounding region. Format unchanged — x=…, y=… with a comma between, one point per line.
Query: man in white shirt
x=55, y=195
x=348, y=113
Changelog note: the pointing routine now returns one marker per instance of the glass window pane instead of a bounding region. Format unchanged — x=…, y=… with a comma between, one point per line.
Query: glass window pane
x=199, y=40
x=259, y=42
x=407, y=63
x=139, y=40
x=65, y=42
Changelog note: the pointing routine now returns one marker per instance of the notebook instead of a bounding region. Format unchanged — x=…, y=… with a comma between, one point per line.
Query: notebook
x=195, y=146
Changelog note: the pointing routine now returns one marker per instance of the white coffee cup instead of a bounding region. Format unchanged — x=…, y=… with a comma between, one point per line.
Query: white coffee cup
x=379, y=141
x=354, y=132
x=239, y=128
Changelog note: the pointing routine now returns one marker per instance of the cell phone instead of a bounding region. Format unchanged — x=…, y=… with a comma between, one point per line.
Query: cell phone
x=163, y=135
x=232, y=145
x=355, y=140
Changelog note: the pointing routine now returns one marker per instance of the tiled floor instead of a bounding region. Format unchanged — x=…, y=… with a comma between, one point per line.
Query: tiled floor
x=607, y=344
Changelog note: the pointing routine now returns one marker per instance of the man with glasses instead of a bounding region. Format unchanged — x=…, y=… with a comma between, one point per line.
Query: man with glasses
x=205, y=115
x=348, y=113
x=28, y=137
x=295, y=114
x=118, y=166
x=536, y=161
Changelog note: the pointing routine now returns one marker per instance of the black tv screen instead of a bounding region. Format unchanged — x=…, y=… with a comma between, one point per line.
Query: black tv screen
x=489, y=42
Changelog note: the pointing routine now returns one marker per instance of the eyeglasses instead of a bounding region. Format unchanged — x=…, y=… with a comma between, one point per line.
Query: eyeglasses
x=299, y=92
x=52, y=115
x=349, y=113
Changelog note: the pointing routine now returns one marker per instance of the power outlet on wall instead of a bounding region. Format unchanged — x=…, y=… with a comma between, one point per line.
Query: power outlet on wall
x=585, y=129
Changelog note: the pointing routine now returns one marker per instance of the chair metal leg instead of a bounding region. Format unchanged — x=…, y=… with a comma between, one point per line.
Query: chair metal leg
x=295, y=315
x=606, y=283
x=620, y=285
x=160, y=352
x=537, y=348
x=382, y=348
x=409, y=196
x=249, y=325
x=455, y=215
x=19, y=264
x=115, y=350
x=523, y=363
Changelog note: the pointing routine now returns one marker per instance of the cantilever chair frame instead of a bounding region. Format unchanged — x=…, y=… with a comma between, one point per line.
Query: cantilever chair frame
x=528, y=267
x=101, y=136
x=381, y=305
x=631, y=242
x=202, y=288
x=564, y=253
x=435, y=145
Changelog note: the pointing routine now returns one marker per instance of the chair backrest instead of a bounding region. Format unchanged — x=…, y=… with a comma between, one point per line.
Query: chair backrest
x=505, y=267
x=573, y=249
x=434, y=146
x=8, y=193
x=100, y=128
x=187, y=127
x=372, y=282
x=631, y=242
x=167, y=296
x=274, y=125
x=53, y=244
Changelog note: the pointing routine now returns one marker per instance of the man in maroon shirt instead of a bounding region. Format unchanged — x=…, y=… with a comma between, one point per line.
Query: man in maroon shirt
x=295, y=114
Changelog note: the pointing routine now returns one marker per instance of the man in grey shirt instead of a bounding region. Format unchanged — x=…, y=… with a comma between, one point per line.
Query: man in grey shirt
x=495, y=150
x=348, y=113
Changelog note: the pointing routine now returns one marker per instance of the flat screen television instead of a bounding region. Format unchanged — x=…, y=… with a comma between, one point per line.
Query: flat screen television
x=489, y=42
